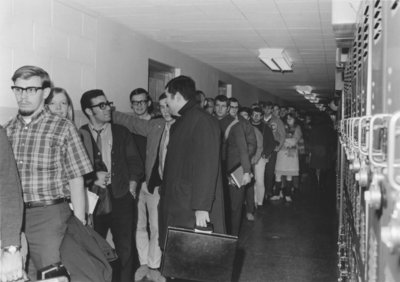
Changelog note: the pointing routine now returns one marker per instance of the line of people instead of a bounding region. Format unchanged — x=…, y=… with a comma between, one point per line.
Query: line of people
x=148, y=171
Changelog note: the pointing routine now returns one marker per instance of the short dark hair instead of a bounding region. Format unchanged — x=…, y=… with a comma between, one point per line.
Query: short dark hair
x=138, y=91
x=245, y=109
x=200, y=93
x=184, y=85
x=222, y=98
x=257, y=110
x=234, y=100
x=162, y=96
x=27, y=72
x=86, y=99
x=208, y=100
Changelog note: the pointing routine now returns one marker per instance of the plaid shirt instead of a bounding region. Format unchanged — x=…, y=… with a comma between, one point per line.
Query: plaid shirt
x=49, y=153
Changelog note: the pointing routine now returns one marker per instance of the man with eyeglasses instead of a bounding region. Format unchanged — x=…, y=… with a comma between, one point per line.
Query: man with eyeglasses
x=234, y=154
x=51, y=161
x=251, y=142
x=118, y=168
x=148, y=250
x=157, y=133
x=141, y=103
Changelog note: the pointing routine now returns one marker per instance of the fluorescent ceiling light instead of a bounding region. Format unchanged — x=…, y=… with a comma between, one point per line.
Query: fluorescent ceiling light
x=276, y=59
x=310, y=96
x=303, y=89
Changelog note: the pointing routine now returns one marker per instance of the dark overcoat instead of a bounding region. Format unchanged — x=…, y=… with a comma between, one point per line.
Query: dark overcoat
x=323, y=140
x=192, y=175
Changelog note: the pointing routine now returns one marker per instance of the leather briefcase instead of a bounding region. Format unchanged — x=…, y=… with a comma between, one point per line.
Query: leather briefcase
x=198, y=256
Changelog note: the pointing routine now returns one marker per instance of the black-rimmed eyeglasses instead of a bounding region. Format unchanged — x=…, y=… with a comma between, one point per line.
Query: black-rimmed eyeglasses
x=103, y=105
x=30, y=91
x=139, y=103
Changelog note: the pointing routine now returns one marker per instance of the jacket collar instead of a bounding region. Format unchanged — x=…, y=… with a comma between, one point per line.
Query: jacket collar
x=188, y=106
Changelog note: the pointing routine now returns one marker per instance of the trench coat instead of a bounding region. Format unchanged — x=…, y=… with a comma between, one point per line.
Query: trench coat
x=192, y=178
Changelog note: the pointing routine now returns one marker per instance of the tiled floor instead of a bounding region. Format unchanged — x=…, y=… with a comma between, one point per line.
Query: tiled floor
x=290, y=242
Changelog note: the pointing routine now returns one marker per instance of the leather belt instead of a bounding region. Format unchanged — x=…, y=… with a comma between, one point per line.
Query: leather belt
x=45, y=203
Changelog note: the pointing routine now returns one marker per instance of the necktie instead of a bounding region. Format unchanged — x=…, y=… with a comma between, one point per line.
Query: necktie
x=98, y=138
x=163, y=147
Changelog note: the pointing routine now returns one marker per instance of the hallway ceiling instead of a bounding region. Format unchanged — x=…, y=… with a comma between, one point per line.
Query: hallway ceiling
x=227, y=34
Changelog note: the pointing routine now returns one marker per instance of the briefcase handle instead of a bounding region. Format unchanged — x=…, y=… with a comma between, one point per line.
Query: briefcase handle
x=208, y=229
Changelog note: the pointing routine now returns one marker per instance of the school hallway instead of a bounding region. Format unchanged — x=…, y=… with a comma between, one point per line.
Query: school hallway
x=290, y=242
x=294, y=242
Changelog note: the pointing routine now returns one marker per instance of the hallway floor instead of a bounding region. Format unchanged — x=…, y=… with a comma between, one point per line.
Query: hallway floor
x=290, y=242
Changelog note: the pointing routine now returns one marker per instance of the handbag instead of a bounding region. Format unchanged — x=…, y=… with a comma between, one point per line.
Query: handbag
x=198, y=256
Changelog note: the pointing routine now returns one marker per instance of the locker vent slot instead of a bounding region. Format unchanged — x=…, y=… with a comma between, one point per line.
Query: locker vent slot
x=394, y=6
x=355, y=56
x=366, y=33
x=377, y=21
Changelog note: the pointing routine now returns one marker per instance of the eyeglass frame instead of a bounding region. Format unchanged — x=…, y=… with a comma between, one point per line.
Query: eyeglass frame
x=140, y=103
x=26, y=90
x=102, y=105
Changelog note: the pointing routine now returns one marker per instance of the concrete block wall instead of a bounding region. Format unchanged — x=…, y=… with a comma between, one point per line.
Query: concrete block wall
x=82, y=51
x=47, y=33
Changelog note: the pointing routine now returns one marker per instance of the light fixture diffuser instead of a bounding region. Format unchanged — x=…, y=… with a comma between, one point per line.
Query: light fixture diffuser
x=276, y=59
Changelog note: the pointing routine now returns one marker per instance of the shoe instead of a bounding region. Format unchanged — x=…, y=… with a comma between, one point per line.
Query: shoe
x=288, y=199
x=275, y=198
x=250, y=216
x=155, y=276
x=141, y=272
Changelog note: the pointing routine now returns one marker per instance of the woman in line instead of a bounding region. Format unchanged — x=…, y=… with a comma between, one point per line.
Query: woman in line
x=287, y=162
x=59, y=103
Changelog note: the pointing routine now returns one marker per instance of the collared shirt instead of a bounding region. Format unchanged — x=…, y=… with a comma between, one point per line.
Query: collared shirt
x=107, y=142
x=163, y=146
x=49, y=153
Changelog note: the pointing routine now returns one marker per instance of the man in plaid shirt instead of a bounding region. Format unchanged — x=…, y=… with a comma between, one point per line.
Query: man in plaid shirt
x=51, y=161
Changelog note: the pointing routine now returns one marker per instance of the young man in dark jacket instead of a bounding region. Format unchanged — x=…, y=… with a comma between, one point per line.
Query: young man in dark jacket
x=191, y=193
x=118, y=168
x=235, y=154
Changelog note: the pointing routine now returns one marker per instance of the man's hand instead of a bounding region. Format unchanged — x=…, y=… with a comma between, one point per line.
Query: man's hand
x=11, y=267
x=102, y=179
x=246, y=179
x=132, y=188
x=202, y=217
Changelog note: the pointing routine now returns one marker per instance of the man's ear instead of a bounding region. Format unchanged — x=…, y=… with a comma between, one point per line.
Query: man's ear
x=149, y=102
x=88, y=112
x=46, y=92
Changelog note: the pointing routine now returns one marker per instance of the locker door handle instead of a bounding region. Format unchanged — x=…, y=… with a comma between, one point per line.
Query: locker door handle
x=393, y=164
x=371, y=154
x=355, y=134
x=363, y=135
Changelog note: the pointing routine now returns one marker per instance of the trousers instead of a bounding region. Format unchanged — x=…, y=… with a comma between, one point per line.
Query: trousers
x=121, y=222
x=148, y=246
x=259, y=187
x=44, y=229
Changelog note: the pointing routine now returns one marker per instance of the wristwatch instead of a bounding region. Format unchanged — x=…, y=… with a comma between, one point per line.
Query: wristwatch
x=11, y=249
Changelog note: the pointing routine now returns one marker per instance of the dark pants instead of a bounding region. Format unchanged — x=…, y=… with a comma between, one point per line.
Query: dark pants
x=269, y=175
x=121, y=221
x=236, y=200
x=44, y=229
x=250, y=202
